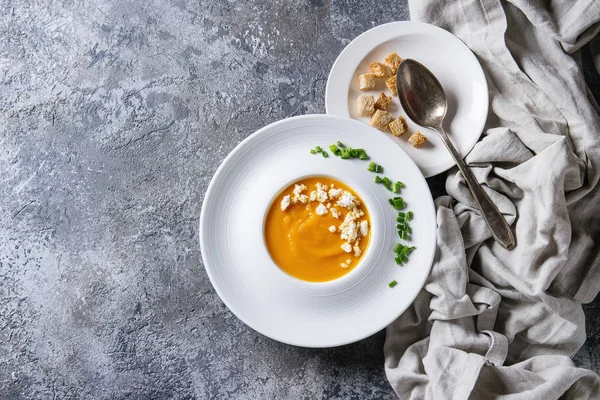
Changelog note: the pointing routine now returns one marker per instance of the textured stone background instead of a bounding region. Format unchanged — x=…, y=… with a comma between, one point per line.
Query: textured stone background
x=114, y=115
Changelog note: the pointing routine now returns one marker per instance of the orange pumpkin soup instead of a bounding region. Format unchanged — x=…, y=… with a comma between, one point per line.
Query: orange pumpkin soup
x=317, y=229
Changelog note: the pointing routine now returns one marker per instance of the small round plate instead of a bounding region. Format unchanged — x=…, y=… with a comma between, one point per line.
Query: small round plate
x=446, y=56
x=272, y=302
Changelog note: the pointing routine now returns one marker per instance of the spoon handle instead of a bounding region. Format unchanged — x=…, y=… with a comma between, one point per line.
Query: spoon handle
x=500, y=229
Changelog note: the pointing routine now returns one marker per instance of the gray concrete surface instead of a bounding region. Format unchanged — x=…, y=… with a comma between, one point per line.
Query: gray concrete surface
x=114, y=115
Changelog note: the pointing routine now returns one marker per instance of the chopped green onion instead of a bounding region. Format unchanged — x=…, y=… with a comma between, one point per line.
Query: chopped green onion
x=377, y=179
x=313, y=152
x=345, y=153
x=373, y=167
x=340, y=144
x=318, y=149
x=400, y=219
x=387, y=182
x=325, y=155
x=398, y=203
x=400, y=249
x=392, y=283
x=333, y=148
x=363, y=156
x=379, y=169
x=337, y=152
x=409, y=215
x=407, y=228
x=397, y=186
x=403, y=235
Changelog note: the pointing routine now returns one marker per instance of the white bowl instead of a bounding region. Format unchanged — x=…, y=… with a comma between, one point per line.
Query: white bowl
x=282, y=307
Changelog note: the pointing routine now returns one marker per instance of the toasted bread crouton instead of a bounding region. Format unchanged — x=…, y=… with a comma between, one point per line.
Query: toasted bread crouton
x=391, y=84
x=367, y=81
x=398, y=126
x=393, y=62
x=383, y=102
x=366, y=105
x=381, y=120
x=380, y=70
x=417, y=139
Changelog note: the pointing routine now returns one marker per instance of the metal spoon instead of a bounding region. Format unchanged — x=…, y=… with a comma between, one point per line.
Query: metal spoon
x=424, y=101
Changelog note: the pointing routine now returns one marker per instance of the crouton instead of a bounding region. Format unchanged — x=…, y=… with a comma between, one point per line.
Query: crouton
x=391, y=84
x=380, y=70
x=393, y=62
x=366, y=105
x=367, y=81
x=417, y=139
x=383, y=102
x=398, y=126
x=381, y=120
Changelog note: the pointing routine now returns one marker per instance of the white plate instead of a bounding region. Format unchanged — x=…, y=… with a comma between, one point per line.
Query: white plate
x=288, y=309
x=446, y=56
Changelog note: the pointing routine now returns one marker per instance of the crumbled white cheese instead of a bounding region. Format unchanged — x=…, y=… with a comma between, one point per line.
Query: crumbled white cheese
x=349, y=231
x=321, y=209
x=298, y=189
x=346, y=200
x=321, y=187
x=328, y=205
x=357, y=251
x=322, y=196
x=348, y=261
x=353, y=215
x=344, y=265
x=332, y=229
x=285, y=202
x=349, y=228
x=334, y=213
x=347, y=247
x=334, y=193
x=364, y=227
x=303, y=198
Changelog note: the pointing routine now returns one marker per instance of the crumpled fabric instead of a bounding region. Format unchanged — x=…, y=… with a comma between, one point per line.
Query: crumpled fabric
x=492, y=323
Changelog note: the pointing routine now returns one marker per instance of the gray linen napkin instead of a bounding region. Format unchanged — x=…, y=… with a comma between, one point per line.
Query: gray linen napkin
x=492, y=323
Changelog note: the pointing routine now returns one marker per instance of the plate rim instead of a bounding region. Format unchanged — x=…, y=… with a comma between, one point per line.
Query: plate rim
x=422, y=25
x=203, y=245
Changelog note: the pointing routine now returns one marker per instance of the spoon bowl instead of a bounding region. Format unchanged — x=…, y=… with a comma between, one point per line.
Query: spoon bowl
x=421, y=94
x=424, y=101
